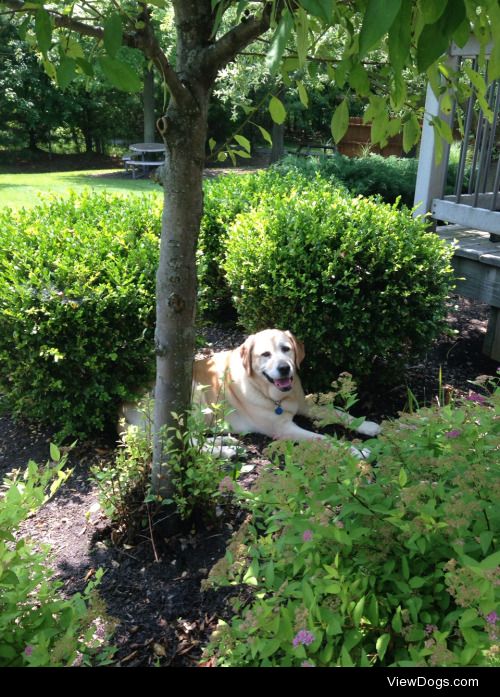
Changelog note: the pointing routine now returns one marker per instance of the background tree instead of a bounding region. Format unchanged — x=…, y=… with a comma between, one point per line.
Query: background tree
x=416, y=35
x=31, y=106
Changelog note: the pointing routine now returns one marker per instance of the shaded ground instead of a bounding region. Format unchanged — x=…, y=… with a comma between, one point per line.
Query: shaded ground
x=163, y=617
x=27, y=162
x=32, y=162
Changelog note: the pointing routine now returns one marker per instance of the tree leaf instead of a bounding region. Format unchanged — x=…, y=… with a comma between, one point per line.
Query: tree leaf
x=340, y=121
x=241, y=153
x=319, y=8
x=302, y=32
x=265, y=134
x=50, y=69
x=431, y=10
x=358, y=79
x=380, y=125
x=278, y=43
x=43, y=30
x=277, y=110
x=494, y=62
x=303, y=96
x=66, y=71
x=71, y=48
x=400, y=37
x=435, y=38
x=244, y=142
x=113, y=34
x=411, y=133
x=378, y=19
x=85, y=67
x=120, y=74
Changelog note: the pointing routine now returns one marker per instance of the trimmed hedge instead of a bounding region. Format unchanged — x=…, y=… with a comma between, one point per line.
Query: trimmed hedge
x=357, y=280
x=225, y=197
x=77, y=285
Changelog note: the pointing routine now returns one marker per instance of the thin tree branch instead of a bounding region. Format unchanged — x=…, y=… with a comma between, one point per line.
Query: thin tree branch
x=225, y=49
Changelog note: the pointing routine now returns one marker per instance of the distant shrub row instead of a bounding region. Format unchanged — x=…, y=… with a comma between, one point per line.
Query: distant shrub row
x=388, y=177
x=358, y=280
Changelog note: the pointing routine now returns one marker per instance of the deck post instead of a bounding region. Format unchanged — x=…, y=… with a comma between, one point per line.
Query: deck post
x=491, y=345
x=431, y=176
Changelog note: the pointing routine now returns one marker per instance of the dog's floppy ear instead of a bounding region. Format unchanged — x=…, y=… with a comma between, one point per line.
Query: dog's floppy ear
x=246, y=350
x=298, y=348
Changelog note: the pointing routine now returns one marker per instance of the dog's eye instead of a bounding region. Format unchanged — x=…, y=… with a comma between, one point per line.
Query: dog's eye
x=285, y=349
x=266, y=354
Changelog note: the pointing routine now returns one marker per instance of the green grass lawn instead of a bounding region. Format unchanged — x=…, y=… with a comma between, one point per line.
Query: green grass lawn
x=18, y=190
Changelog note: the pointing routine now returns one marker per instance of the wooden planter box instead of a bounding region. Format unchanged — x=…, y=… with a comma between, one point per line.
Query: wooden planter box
x=357, y=138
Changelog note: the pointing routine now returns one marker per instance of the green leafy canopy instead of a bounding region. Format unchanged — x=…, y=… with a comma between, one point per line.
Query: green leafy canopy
x=303, y=37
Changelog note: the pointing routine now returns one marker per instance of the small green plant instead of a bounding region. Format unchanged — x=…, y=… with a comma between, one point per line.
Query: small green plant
x=201, y=479
x=123, y=483
x=38, y=626
x=393, y=565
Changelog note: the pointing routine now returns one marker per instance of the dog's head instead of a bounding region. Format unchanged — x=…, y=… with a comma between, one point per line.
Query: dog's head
x=273, y=356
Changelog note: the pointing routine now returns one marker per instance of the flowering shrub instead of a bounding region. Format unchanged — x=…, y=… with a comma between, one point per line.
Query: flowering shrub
x=38, y=627
x=359, y=565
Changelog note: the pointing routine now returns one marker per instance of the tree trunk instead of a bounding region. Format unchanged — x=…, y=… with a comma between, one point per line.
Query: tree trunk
x=184, y=133
x=32, y=140
x=149, y=107
x=278, y=148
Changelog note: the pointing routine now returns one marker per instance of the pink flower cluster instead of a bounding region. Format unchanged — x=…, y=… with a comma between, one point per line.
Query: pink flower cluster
x=475, y=397
x=303, y=637
x=226, y=485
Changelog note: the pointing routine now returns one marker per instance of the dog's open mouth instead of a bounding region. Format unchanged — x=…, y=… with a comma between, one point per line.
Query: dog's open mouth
x=283, y=384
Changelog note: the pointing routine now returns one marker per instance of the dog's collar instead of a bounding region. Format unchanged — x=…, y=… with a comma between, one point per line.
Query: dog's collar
x=279, y=409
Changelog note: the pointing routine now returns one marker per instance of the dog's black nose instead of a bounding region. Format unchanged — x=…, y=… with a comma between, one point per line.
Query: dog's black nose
x=284, y=370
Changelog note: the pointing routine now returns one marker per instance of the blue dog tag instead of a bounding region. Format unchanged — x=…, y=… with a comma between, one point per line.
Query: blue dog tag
x=278, y=410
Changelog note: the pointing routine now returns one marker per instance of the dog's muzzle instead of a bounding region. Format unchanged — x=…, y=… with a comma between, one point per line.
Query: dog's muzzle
x=285, y=383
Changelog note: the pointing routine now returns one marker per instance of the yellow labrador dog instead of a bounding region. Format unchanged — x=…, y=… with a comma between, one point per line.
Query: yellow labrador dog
x=260, y=382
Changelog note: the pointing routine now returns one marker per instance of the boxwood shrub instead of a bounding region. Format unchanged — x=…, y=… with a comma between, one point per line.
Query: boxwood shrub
x=356, y=279
x=77, y=284
x=225, y=197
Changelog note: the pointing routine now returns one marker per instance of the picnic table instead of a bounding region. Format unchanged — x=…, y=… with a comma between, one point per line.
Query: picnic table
x=143, y=157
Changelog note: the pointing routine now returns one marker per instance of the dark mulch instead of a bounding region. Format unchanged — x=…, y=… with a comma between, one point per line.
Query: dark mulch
x=163, y=616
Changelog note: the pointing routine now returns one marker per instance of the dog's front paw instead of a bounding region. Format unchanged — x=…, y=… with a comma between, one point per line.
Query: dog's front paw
x=369, y=428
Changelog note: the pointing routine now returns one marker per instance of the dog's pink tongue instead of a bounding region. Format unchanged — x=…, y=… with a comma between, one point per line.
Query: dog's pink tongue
x=283, y=384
